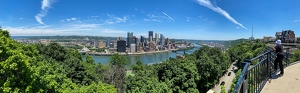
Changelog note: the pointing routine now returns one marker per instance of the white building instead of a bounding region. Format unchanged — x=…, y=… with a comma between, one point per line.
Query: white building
x=132, y=48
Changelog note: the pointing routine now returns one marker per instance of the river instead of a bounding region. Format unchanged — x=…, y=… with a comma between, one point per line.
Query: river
x=147, y=58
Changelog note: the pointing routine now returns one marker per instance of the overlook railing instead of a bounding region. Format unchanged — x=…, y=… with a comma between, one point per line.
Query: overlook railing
x=254, y=76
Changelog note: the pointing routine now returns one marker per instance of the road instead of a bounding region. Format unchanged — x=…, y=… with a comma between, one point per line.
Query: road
x=226, y=78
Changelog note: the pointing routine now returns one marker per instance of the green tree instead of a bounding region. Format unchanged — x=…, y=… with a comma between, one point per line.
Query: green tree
x=26, y=68
x=15, y=71
x=117, y=59
x=139, y=66
x=182, y=73
x=101, y=71
x=223, y=89
x=77, y=72
x=116, y=73
x=295, y=57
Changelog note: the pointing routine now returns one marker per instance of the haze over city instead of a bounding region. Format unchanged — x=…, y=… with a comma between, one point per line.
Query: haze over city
x=181, y=19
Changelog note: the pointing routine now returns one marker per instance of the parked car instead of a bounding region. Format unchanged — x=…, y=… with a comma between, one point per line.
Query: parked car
x=229, y=73
x=223, y=83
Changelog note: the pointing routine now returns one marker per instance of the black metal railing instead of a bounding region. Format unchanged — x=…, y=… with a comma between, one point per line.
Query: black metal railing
x=257, y=71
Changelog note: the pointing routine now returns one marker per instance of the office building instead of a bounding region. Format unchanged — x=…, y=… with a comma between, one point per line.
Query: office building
x=162, y=40
x=115, y=44
x=138, y=47
x=96, y=44
x=129, y=38
x=150, y=34
x=156, y=37
x=111, y=45
x=107, y=43
x=151, y=45
x=121, y=46
x=167, y=41
x=120, y=38
x=142, y=39
x=102, y=44
x=132, y=48
x=137, y=41
x=150, y=39
x=133, y=40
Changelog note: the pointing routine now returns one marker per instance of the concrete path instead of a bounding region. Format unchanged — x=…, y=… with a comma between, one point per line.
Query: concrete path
x=288, y=83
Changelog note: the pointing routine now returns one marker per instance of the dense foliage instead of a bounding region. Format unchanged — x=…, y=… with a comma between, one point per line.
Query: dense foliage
x=197, y=72
x=53, y=68
x=245, y=50
x=39, y=68
x=296, y=56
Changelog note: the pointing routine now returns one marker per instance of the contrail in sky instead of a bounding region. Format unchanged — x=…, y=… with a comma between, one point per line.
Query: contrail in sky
x=217, y=9
x=46, y=5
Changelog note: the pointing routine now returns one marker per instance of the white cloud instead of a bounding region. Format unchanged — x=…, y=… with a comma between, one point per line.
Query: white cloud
x=82, y=26
x=94, y=16
x=152, y=16
x=73, y=18
x=21, y=18
x=158, y=17
x=297, y=21
x=114, y=19
x=69, y=19
x=217, y=9
x=69, y=29
x=168, y=16
x=188, y=18
x=46, y=4
x=155, y=20
x=237, y=27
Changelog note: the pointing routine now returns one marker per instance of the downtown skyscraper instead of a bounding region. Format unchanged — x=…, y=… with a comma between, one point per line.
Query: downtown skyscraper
x=129, y=38
x=162, y=40
x=150, y=34
x=156, y=37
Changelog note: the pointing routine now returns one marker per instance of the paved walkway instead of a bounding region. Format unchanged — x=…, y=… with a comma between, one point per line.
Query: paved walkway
x=288, y=83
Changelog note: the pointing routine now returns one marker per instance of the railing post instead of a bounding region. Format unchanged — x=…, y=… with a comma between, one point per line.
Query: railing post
x=245, y=79
x=287, y=56
x=268, y=64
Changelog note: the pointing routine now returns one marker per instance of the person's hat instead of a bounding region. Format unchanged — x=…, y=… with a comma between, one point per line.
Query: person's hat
x=278, y=42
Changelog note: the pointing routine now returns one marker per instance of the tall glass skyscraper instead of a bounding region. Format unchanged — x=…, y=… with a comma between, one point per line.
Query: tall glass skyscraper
x=162, y=40
x=156, y=37
x=150, y=34
x=142, y=39
x=129, y=38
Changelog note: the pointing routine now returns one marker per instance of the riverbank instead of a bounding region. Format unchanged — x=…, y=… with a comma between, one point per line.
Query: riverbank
x=184, y=49
x=148, y=58
x=127, y=54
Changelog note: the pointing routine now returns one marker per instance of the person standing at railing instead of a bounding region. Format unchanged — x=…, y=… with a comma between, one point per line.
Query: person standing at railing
x=279, y=51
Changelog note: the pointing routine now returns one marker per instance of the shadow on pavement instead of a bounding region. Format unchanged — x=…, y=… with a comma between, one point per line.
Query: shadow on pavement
x=275, y=76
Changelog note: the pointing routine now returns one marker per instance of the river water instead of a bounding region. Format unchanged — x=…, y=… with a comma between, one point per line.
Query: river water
x=147, y=58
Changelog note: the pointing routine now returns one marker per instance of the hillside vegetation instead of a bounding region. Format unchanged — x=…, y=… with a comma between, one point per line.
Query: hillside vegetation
x=38, y=68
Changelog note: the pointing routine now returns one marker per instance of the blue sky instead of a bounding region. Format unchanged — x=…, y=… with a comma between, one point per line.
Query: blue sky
x=182, y=19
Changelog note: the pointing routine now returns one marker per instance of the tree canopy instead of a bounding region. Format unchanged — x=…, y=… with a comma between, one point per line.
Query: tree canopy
x=40, y=68
x=53, y=68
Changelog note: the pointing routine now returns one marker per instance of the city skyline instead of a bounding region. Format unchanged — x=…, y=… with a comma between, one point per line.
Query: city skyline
x=180, y=19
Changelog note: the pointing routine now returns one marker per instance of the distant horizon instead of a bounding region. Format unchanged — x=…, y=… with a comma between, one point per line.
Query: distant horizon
x=112, y=37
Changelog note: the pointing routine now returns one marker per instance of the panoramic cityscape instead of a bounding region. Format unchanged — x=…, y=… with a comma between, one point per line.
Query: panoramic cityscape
x=149, y=46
